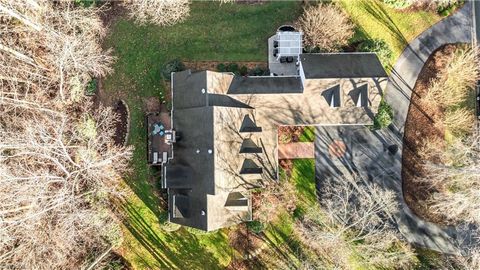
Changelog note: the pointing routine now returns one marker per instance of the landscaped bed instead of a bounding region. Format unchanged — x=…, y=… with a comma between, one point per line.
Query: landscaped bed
x=122, y=123
x=421, y=125
x=376, y=20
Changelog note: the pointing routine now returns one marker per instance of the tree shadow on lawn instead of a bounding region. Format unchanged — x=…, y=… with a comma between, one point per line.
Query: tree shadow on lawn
x=285, y=244
x=179, y=249
x=378, y=12
x=303, y=175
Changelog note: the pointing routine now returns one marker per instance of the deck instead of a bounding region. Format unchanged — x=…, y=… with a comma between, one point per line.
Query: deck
x=157, y=124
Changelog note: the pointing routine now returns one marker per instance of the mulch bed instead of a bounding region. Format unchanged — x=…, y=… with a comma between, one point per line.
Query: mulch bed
x=420, y=125
x=113, y=11
x=212, y=65
x=121, y=127
x=289, y=134
x=244, y=241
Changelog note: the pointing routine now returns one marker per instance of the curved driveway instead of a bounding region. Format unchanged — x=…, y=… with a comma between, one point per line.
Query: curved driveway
x=377, y=155
x=453, y=29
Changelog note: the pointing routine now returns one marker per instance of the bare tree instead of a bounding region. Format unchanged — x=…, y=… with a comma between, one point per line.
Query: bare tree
x=456, y=81
x=57, y=177
x=59, y=167
x=52, y=45
x=452, y=171
x=459, y=120
x=325, y=26
x=161, y=12
x=355, y=218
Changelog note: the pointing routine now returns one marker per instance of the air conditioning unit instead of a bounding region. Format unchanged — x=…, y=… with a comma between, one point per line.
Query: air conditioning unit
x=170, y=137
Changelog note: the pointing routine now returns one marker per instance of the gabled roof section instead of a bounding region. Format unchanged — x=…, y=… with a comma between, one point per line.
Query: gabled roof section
x=341, y=65
x=265, y=85
x=195, y=147
x=190, y=89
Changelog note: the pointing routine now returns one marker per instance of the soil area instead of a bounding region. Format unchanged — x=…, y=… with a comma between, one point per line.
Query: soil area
x=121, y=123
x=246, y=243
x=212, y=65
x=112, y=11
x=289, y=134
x=419, y=127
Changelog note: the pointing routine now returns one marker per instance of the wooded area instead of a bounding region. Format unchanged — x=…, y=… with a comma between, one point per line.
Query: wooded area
x=59, y=167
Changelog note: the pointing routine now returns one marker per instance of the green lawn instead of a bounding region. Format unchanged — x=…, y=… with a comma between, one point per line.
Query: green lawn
x=376, y=20
x=308, y=134
x=226, y=32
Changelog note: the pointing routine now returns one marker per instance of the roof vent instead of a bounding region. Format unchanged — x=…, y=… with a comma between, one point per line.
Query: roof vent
x=250, y=167
x=202, y=212
x=198, y=151
x=210, y=151
x=203, y=90
x=249, y=146
x=249, y=126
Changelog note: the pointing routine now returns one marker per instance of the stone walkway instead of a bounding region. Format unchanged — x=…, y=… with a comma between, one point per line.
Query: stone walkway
x=296, y=150
x=377, y=155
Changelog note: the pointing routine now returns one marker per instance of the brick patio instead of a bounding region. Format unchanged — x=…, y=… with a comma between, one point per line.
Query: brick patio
x=296, y=150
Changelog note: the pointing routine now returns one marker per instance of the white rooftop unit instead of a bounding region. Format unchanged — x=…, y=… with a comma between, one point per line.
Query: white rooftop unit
x=289, y=44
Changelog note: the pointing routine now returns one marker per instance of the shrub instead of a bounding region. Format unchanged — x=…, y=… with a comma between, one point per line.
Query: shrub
x=233, y=67
x=456, y=82
x=91, y=87
x=87, y=3
x=379, y=47
x=398, y=4
x=221, y=67
x=159, y=12
x=195, y=231
x=172, y=66
x=326, y=27
x=384, y=116
x=255, y=226
x=446, y=7
x=459, y=121
x=243, y=70
x=258, y=71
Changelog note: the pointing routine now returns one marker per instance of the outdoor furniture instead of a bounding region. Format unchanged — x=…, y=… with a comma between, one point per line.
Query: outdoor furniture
x=283, y=59
x=275, y=52
x=155, y=158
x=289, y=59
x=158, y=129
x=164, y=157
x=170, y=137
x=275, y=43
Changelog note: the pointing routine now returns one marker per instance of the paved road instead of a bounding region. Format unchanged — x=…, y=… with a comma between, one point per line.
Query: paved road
x=377, y=155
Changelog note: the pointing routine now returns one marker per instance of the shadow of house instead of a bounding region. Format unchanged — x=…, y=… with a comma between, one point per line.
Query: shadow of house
x=332, y=96
x=359, y=96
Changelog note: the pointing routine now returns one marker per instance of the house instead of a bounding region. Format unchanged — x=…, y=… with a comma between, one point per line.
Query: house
x=226, y=125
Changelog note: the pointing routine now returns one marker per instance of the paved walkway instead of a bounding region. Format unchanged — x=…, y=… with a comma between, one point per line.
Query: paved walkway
x=377, y=156
x=296, y=150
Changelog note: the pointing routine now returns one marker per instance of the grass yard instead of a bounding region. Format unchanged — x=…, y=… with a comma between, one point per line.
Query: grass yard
x=226, y=32
x=308, y=134
x=375, y=20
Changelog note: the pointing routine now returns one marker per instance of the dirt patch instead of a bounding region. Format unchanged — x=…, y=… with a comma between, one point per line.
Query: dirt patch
x=121, y=125
x=421, y=125
x=247, y=244
x=244, y=241
x=287, y=166
x=289, y=134
x=212, y=65
x=152, y=104
x=112, y=10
